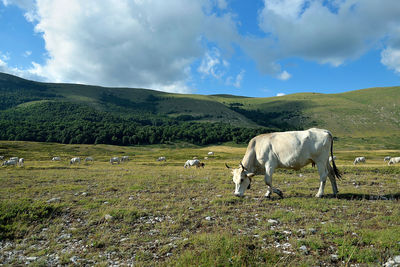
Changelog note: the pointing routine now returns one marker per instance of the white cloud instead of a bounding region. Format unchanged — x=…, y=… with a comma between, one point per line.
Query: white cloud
x=280, y=94
x=212, y=64
x=222, y=4
x=390, y=57
x=237, y=81
x=284, y=75
x=27, y=53
x=328, y=31
x=148, y=44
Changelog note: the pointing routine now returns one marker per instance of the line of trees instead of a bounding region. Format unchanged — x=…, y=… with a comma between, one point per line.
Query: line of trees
x=70, y=123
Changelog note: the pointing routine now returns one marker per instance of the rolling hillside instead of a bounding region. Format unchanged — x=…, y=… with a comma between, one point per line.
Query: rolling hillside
x=363, y=115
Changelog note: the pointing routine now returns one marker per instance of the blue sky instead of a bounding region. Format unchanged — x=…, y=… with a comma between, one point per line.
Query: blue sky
x=259, y=48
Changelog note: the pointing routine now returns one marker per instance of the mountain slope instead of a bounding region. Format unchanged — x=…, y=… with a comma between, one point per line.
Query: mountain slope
x=366, y=113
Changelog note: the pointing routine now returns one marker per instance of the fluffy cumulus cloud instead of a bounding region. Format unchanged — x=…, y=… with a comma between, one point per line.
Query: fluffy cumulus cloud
x=120, y=43
x=329, y=31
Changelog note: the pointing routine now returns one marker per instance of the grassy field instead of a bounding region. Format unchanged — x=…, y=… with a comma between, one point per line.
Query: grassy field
x=145, y=212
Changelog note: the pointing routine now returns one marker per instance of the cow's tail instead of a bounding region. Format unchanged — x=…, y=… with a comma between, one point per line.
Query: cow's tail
x=335, y=169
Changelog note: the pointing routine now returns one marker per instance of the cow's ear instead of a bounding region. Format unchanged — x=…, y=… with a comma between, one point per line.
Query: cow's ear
x=250, y=174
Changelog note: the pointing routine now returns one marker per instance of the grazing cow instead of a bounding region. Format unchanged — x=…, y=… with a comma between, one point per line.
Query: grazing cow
x=56, y=159
x=206, y=158
x=75, y=160
x=394, y=160
x=359, y=160
x=115, y=160
x=161, y=159
x=193, y=162
x=210, y=153
x=9, y=162
x=386, y=159
x=124, y=158
x=89, y=159
x=290, y=150
x=21, y=162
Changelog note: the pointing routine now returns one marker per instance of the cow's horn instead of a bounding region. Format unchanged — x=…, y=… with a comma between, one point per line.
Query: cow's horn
x=227, y=166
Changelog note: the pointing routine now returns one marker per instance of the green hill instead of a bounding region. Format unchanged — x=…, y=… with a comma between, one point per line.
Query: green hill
x=368, y=115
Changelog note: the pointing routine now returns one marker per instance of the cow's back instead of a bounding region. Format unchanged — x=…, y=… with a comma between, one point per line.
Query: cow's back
x=293, y=149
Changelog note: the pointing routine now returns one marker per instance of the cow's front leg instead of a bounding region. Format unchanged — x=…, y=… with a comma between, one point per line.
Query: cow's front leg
x=271, y=189
x=268, y=181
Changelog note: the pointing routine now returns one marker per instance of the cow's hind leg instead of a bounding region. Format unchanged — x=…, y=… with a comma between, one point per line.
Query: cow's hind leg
x=332, y=178
x=269, y=170
x=323, y=173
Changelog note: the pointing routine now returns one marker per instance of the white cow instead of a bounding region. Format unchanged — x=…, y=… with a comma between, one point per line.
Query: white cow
x=56, y=159
x=21, y=162
x=115, y=159
x=89, y=159
x=9, y=162
x=210, y=153
x=161, y=159
x=193, y=162
x=386, y=159
x=290, y=150
x=394, y=160
x=359, y=160
x=124, y=158
x=75, y=160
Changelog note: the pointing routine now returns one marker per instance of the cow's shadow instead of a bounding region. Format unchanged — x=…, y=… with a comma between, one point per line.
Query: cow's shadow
x=345, y=196
x=356, y=196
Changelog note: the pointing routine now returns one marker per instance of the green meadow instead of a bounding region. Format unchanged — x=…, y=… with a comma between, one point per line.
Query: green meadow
x=149, y=213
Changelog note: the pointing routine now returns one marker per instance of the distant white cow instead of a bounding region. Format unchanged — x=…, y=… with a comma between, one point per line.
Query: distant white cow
x=290, y=150
x=161, y=159
x=21, y=162
x=394, y=160
x=89, y=159
x=210, y=153
x=75, y=160
x=359, y=160
x=124, y=158
x=9, y=163
x=206, y=158
x=56, y=159
x=14, y=158
x=115, y=160
x=386, y=159
x=193, y=162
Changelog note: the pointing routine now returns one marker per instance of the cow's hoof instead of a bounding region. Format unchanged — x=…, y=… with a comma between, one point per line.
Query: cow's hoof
x=279, y=193
x=319, y=195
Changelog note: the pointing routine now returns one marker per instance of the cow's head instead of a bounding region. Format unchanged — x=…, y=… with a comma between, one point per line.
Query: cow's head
x=241, y=178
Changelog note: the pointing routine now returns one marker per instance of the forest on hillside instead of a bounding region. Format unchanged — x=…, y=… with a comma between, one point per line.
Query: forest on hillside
x=71, y=123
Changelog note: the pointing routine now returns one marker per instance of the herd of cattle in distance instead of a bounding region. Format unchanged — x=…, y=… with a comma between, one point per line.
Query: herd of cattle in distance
x=14, y=161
